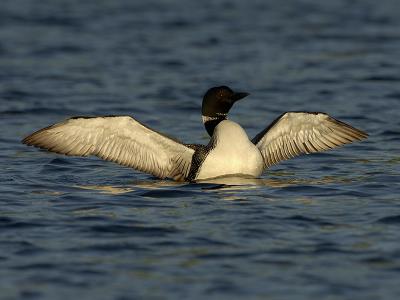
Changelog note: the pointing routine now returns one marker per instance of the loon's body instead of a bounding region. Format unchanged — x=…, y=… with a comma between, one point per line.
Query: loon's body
x=126, y=141
x=230, y=152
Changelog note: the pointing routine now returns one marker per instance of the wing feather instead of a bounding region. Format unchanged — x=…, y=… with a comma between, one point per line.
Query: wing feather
x=296, y=133
x=120, y=139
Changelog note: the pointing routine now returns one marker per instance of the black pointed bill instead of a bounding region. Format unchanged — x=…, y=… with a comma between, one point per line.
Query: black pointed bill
x=237, y=96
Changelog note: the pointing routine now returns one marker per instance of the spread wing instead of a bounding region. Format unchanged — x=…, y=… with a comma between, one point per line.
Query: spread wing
x=296, y=133
x=120, y=139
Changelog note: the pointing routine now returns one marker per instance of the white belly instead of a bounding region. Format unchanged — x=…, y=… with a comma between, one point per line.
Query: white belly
x=233, y=154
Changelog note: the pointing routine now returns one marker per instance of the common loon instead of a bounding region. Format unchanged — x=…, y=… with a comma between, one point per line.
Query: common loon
x=124, y=140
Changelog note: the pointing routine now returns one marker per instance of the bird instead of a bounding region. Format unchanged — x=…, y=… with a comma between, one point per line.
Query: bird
x=128, y=142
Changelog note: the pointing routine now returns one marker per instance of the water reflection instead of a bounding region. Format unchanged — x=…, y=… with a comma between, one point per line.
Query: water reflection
x=238, y=181
x=227, y=183
x=133, y=186
x=106, y=189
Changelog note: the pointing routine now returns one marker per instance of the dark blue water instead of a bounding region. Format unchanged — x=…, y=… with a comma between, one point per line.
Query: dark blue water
x=325, y=226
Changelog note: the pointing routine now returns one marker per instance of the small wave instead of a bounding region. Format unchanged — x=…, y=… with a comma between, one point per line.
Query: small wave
x=64, y=49
x=274, y=262
x=90, y=218
x=36, y=266
x=134, y=230
x=40, y=111
x=390, y=132
x=378, y=260
x=302, y=220
x=201, y=241
x=19, y=94
x=168, y=194
x=390, y=220
x=394, y=95
x=390, y=78
x=6, y=222
x=222, y=255
x=110, y=247
x=324, y=248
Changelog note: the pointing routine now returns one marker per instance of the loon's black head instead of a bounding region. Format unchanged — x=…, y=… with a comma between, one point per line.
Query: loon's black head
x=216, y=104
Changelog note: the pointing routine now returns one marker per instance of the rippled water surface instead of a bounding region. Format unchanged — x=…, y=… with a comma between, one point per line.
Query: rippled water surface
x=325, y=226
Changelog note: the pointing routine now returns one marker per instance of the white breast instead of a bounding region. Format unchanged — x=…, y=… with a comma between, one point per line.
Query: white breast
x=232, y=153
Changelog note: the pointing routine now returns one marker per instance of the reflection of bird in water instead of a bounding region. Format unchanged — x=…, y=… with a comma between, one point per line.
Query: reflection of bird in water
x=126, y=141
x=228, y=184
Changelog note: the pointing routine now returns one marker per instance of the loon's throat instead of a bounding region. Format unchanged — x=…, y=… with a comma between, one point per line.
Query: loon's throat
x=211, y=122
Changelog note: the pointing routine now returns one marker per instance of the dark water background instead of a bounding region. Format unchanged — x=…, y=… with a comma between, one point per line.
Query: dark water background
x=325, y=226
